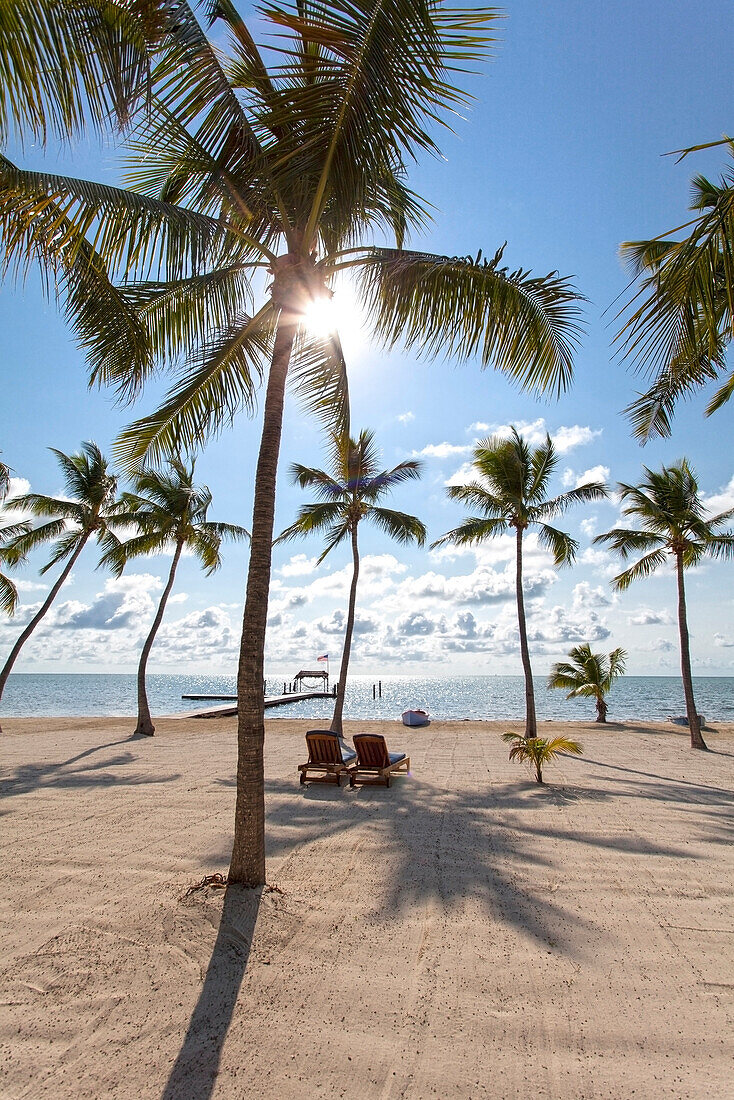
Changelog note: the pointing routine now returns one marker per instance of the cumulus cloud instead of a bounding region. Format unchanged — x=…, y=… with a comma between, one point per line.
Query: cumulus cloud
x=586, y=596
x=647, y=616
x=298, y=566
x=406, y=417
x=572, y=480
x=415, y=623
x=721, y=501
x=588, y=526
x=443, y=450
x=124, y=603
x=724, y=641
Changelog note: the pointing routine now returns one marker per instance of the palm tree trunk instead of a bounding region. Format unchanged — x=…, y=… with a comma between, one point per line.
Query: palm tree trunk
x=697, y=741
x=247, y=865
x=601, y=709
x=531, y=722
x=336, y=721
x=25, y=635
x=145, y=723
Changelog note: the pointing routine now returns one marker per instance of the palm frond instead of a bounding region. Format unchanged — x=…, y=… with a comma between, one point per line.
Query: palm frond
x=64, y=67
x=644, y=567
x=526, y=327
x=207, y=397
x=399, y=526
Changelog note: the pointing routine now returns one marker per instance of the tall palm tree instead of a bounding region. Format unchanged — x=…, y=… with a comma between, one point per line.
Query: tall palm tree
x=681, y=317
x=510, y=493
x=347, y=496
x=9, y=532
x=589, y=674
x=169, y=512
x=285, y=164
x=673, y=525
x=89, y=513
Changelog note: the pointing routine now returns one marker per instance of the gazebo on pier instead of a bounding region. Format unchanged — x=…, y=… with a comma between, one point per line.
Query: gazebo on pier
x=307, y=674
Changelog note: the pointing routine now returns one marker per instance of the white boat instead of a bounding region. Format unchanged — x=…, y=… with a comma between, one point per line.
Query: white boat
x=415, y=718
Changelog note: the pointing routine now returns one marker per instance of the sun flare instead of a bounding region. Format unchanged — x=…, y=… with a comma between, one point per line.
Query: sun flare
x=340, y=315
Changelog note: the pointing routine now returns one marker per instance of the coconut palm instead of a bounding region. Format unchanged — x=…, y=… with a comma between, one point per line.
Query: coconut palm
x=539, y=750
x=9, y=532
x=673, y=525
x=681, y=318
x=169, y=512
x=285, y=164
x=588, y=674
x=510, y=493
x=89, y=513
x=347, y=496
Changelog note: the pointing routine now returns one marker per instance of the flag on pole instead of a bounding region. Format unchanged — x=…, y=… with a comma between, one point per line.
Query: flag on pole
x=324, y=657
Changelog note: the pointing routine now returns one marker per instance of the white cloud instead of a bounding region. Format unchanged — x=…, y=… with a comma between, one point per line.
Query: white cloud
x=721, y=501
x=723, y=641
x=567, y=439
x=298, y=566
x=125, y=603
x=443, y=450
x=406, y=417
x=478, y=427
x=588, y=526
x=586, y=596
x=647, y=616
x=572, y=480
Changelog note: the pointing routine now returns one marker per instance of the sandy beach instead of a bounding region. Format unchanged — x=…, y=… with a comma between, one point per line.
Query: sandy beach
x=465, y=933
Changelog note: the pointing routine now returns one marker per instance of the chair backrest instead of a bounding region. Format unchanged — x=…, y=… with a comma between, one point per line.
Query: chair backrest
x=371, y=750
x=323, y=747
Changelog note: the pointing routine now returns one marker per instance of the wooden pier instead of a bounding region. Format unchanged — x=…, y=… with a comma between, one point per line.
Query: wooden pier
x=228, y=712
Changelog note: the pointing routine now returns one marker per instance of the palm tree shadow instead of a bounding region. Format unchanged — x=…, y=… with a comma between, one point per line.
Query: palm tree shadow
x=195, y=1070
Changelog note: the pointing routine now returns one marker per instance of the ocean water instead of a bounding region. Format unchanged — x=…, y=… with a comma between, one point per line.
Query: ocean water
x=633, y=697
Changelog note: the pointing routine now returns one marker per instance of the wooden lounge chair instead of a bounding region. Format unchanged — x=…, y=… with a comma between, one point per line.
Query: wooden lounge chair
x=329, y=757
x=374, y=763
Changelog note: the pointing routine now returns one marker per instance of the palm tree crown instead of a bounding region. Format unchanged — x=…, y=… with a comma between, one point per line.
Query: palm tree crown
x=672, y=525
x=347, y=496
x=681, y=318
x=588, y=674
x=511, y=493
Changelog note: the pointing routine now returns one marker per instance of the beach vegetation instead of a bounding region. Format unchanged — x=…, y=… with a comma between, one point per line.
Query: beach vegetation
x=510, y=493
x=680, y=320
x=169, y=515
x=539, y=751
x=89, y=512
x=348, y=495
x=588, y=674
x=673, y=526
x=255, y=180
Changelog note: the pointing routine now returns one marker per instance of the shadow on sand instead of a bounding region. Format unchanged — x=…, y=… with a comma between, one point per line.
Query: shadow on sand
x=195, y=1070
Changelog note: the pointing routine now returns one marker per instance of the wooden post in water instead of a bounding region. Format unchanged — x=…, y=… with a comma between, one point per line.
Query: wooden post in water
x=379, y=684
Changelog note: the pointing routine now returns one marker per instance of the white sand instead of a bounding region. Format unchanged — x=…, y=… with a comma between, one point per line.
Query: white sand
x=464, y=934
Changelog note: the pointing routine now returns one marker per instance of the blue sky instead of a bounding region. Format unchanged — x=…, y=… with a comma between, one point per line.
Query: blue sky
x=562, y=157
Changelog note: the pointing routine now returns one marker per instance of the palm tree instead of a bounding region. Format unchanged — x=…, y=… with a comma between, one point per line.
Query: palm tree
x=89, y=513
x=347, y=496
x=511, y=493
x=284, y=164
x=169, y=512
x=681, y=317
x=539, y=750
x=673, y=524
x=9, y=532
x=588, y=674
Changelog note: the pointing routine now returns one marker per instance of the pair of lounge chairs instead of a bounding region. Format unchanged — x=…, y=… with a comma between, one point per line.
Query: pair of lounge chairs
x=368, y=762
